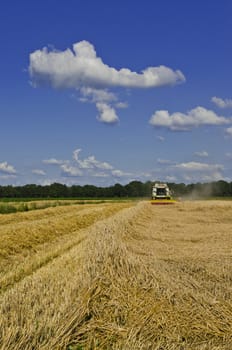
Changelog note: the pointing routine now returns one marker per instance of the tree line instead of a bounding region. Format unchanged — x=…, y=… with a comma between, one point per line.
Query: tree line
x=133, y=189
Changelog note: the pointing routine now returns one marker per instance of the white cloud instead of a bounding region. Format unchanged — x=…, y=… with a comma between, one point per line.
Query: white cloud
x=102, y=98
x=170, y=178
x=81, y=67
x=229, y=131
x=190, y=172
x=90, y=162
x=6, y=168
x=90, y=167
x=76, y=153
x=226, y=103
x=98, y=95
x=38, y=172
x=164, y=161
x=121, y=105
x=68, y=170
x=54, y=161
x=201, y=154
x=101, y=175
x=145, y=174
x=120, y=173
x=213, y=176
x=197, y=166
x=7, y=177
x=107, y=114
x=48, y=182
x=183, y=122
x=203, y=177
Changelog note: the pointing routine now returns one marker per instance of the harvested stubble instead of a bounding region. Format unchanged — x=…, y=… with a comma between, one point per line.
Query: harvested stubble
x=146, y=278
x=30, y=240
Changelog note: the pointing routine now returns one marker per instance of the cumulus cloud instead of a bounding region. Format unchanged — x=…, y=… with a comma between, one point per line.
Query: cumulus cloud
x=38, y=172
x=82, y=67
x=201, y=154
x=102, y=98
x=184, y=122
x=107, y=114
x=222, y=103
x=6, y=168
x=68, y=170
x=98, y=95
x=90, y=167
x=90, y=162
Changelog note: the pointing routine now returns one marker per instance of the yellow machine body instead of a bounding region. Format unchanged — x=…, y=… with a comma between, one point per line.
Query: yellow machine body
x=163, y=201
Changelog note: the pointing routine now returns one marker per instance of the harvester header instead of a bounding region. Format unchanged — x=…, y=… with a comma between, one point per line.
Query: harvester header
x=161, y=194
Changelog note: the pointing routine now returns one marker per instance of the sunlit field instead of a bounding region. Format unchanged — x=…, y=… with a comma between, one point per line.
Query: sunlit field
x=120, y=276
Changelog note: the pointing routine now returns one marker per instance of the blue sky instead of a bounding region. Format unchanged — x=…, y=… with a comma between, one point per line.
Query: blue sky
x=99, y=92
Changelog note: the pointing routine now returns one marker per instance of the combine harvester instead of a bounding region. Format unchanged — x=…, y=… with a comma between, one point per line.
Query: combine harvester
x=161, y=194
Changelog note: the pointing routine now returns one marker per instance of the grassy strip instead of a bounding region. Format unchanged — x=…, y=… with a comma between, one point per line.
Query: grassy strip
x=71, y=199
x=9, y=208
x=14, y=207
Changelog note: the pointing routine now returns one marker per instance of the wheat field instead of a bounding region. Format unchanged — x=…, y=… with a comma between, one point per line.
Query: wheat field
x=117, y=276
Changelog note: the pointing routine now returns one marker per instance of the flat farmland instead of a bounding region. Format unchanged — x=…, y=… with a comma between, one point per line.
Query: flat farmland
x=120, y=276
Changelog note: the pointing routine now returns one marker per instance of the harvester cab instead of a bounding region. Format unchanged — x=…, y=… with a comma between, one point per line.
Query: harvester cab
x=161, y=194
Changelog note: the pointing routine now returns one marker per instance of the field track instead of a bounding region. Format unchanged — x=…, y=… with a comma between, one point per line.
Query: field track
x=118, y=276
